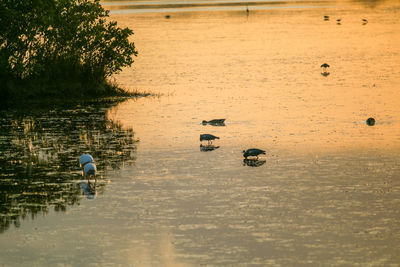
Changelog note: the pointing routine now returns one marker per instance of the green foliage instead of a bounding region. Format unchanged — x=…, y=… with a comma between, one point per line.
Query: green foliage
x=58, y=47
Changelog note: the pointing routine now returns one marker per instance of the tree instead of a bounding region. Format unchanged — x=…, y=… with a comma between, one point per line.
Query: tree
x=54, y=47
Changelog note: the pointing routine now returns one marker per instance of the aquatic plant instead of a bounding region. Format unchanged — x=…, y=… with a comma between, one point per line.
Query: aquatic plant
x=60, y=48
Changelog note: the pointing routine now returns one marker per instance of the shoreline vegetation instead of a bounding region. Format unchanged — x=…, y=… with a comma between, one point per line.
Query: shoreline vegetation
x=58, y=101
x=61, y=49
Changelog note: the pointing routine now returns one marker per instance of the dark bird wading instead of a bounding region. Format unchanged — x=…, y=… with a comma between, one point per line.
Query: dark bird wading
x=253, y=152
x=325, y=65
x=214, y=122
x=208, y=137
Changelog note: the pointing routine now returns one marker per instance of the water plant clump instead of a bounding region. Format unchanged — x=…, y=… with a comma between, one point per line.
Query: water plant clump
x=64, y=48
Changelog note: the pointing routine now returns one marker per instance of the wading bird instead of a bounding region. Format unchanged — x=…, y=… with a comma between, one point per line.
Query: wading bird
x=88, y=166
x=85, y=159
x=325, y=71
x=90, y=170
x=208, y=137
x=253, y=152
x=217, y=122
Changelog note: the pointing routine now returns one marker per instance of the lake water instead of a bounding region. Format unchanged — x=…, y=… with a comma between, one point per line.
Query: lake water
x=326, y=192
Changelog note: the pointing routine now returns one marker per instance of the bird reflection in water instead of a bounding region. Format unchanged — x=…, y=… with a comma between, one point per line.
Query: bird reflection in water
x=253, y=162
x=205, y=148
x=325, y=73
x=88, y=189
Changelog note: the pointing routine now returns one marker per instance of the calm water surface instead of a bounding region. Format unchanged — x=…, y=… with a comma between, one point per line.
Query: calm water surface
x=326, y=193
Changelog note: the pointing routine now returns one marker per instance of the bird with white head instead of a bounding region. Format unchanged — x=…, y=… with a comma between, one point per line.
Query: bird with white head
x=89, y=168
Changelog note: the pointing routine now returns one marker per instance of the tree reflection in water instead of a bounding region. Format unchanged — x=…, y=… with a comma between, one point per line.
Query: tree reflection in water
x=39, y=151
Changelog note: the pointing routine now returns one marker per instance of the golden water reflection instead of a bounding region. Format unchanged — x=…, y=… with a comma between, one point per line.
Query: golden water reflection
x=262, y=73
x=325, y=193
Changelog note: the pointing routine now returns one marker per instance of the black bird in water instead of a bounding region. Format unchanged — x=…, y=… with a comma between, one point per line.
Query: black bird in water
x=364, y=21
x=215, y=122
x=325, y=72
x=253, y=152
x=370, y=121
x=208, y=137
x=326, y=17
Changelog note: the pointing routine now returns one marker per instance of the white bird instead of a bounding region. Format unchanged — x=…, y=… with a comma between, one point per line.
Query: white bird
x=90, y=170
x=85, y=159
x=88, y=166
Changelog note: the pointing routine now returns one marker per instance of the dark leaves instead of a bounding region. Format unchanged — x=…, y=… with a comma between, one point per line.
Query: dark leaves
x=53, y=42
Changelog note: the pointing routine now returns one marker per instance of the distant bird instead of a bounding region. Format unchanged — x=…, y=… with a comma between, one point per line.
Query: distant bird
x=370, y=121
x=90, y=170
x=325, y=72
x=247, y=10
x=339, y=20
x=85, y=159
x=214, y=122
x=364, y=21
x=208, y=137
x=167, y=16
x=88, y=166
x=326, y=17
x=252, y=152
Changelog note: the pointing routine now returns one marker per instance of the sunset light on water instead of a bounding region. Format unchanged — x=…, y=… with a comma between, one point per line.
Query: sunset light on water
x=326, y=193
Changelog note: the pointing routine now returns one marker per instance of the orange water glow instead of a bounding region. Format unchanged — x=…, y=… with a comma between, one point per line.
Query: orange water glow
x=262, y=72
